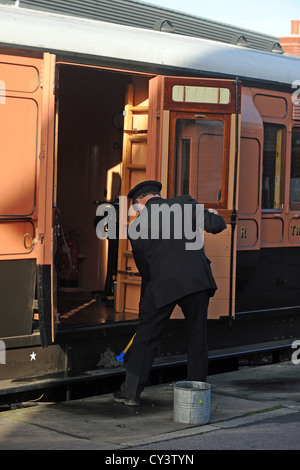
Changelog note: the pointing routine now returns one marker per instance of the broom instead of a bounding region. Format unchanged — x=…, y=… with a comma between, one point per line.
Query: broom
x=108, y=359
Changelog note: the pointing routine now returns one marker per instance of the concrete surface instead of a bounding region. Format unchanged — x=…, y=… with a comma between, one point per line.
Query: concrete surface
x=240, y=402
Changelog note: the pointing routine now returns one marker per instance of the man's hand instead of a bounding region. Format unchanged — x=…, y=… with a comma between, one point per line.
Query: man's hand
x=214, y=211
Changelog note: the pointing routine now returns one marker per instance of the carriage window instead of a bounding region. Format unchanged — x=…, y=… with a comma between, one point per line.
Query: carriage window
x=199, y=159
x=295, y=170
x=272, y=165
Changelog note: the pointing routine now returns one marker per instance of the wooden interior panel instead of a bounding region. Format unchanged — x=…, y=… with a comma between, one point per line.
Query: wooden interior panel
x=218, y=250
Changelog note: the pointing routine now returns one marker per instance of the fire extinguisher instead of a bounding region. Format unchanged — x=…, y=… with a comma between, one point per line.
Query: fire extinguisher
x=67, y=261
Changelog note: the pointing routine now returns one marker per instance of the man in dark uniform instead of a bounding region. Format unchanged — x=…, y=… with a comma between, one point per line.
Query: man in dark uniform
x=173, y=272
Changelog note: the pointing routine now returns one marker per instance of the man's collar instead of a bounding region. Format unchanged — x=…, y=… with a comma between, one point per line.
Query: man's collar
x=153, y=199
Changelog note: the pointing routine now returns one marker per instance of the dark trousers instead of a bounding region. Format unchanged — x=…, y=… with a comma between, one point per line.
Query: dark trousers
x=149, y=334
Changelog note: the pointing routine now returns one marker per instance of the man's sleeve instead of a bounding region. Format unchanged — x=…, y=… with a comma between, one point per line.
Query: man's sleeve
x=139, y=259
x=213, y=223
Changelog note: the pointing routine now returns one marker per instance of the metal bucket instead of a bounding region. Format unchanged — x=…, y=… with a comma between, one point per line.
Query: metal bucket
x=191, y=402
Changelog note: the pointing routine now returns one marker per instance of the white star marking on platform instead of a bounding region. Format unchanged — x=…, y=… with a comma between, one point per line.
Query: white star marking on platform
x=32, y=356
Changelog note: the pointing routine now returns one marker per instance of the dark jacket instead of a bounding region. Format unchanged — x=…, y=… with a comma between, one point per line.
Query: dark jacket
x=169, y=270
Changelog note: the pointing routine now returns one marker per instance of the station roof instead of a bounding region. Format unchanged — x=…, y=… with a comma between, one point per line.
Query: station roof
x=145, y=15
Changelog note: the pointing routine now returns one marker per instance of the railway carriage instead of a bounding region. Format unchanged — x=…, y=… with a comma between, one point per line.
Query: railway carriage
x=88, y=110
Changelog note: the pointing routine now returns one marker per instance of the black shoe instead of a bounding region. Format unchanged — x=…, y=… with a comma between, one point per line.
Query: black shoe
x=127, y=401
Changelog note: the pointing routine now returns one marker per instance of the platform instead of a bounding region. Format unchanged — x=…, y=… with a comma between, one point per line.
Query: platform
x=246, y=395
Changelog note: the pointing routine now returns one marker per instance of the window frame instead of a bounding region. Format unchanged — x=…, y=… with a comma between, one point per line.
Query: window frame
x=226, y=121
x=280, y=209
x=294, y=206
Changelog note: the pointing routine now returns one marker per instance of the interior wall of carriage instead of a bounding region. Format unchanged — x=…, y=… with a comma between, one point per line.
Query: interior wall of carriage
x=89, y=155
x=268, y=236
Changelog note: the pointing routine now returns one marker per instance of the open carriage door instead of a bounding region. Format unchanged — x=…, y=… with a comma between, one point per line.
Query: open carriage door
x=193, y=149
x=46, y=287
x=26, y=185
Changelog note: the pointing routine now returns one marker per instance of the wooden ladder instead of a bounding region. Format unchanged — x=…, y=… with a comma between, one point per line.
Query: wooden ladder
x=133, y=172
